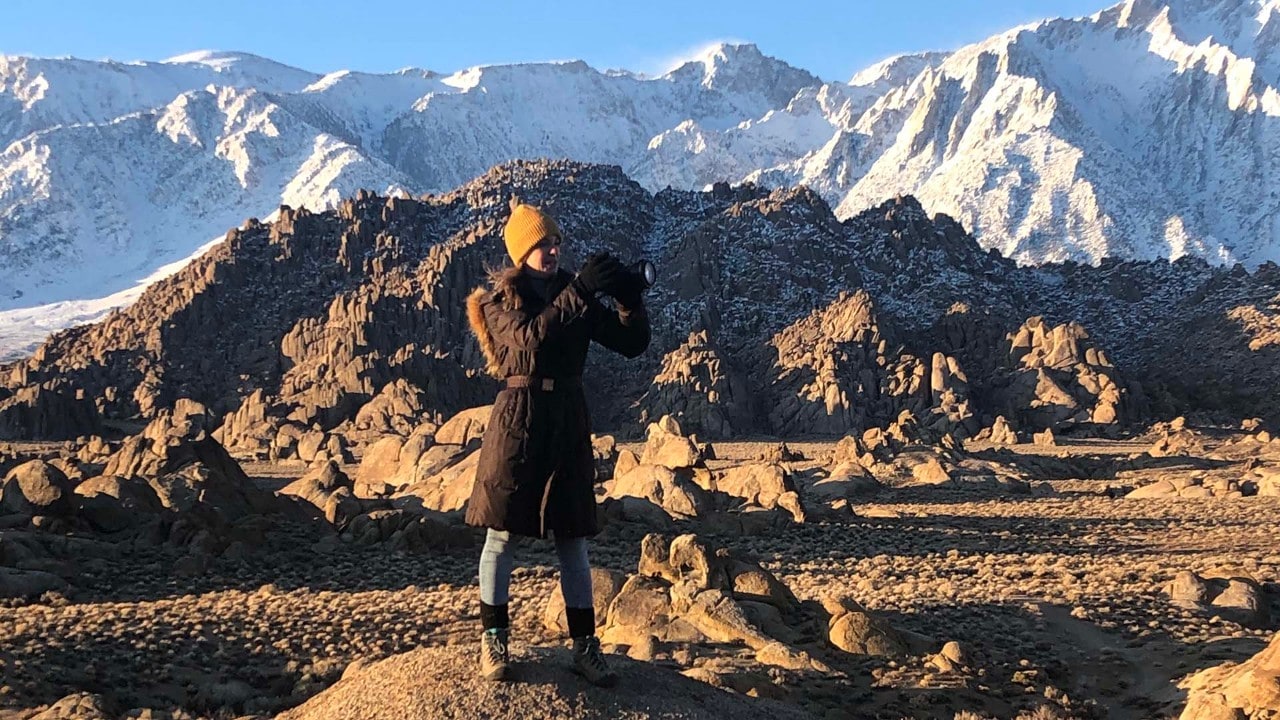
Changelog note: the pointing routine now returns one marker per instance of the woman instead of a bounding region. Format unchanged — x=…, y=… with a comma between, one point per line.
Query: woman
x=536, y=472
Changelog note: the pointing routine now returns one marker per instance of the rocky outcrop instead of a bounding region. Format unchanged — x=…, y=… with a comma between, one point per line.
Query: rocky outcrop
x=837, y=374
x=405, y=530
x=1000, y=433
x=397, y=408
x=667, y=445
x=431, y=469
x=350, y=323
x=442, y=683
x=854, y=630
x=51, y=410
x=831, y=375
x=701, y=389
x=688, y=591
x=1057, y=378
x=605, y=585
x=111, y=503
x=1247, y=691
x=329, y=490
x=764, y=485
x=670, y=483
x=258, y=431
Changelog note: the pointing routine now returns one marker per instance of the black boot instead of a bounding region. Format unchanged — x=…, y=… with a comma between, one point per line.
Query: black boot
x=494, y=657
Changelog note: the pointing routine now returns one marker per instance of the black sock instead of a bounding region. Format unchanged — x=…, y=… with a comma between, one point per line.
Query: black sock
x=493, y=616
x=582, y=621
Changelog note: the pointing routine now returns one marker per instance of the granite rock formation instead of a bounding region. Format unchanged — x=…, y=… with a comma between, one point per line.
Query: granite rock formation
x=771, y=316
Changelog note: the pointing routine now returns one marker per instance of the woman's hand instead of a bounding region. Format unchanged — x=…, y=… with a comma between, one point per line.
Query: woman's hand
x=602, y=271
x=628, y=289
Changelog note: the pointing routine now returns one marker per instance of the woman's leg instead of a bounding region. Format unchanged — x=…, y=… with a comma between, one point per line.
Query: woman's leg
x=579, y=609
x=495, y=583
x=495, y=578
x=575, y=583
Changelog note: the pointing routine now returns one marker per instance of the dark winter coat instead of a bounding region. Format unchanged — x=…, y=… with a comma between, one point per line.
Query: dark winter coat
x=536, y=472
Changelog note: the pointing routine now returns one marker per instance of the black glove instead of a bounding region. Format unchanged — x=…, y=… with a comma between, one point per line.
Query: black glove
x=601, y=272
x=628, y=289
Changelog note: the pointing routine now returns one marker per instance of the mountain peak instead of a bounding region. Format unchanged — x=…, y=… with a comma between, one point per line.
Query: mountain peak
x=723, y=52
x=229, y=60
x=718, y=57
x=243, y=68
x=743, y=68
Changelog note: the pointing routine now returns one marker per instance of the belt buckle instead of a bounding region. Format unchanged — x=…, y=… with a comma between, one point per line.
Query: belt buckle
x=548, y=384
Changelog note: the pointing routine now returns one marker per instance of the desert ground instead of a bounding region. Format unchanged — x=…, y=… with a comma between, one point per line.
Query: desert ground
x=1026, y=583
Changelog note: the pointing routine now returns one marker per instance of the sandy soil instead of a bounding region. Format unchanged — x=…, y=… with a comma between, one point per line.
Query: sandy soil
x=1055, y=597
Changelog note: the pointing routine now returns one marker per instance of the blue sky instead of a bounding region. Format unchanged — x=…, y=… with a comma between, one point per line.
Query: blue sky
x=830, y=39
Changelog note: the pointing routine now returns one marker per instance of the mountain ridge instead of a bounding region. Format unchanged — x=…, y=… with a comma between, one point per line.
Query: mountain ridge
x=1026, y=138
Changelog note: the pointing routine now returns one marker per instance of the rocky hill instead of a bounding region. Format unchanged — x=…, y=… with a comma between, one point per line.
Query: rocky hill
x=771, y=316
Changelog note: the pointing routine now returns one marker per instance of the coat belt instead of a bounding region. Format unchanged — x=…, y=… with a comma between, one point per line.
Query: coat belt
x=546, y=384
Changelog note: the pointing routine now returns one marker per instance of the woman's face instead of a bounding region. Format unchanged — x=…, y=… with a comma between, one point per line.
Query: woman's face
x=544, y=259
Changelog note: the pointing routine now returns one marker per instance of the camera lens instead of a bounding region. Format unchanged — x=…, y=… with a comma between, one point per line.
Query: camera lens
x=647, y=271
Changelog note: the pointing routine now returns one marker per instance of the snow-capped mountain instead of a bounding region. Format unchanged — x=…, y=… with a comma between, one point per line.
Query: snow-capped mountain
x=1150, y=129
x=1136, y=132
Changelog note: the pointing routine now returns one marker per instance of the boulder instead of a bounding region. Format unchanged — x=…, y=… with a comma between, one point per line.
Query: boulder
x=667, y=446
x=641, y=609
x=36, y=488
x=1269, y=482
x=847, y=481
x=854, y=630
x=464, y=428
x=1188, y=589
x=405, y=530
x=25, y=584
x=111, y=504
x=1244, y=600
x=206, y=477
x=672, y=491
x=80, y=706
x=765, y=485
x=604, y=452
x=380, y=463
x=329, y=490
x=626, y=462
x=447, y=490
x=1237, y=597
x=397, y=408
x=688, y=591
x=930, y=472
x=605, y=585
x=1188, y=488
x=1001, y=433
x=849, y=451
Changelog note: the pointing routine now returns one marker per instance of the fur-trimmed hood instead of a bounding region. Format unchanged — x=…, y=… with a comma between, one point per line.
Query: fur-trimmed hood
x=507, y=286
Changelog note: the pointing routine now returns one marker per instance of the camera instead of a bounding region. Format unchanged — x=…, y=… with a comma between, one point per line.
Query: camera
x=646, y=272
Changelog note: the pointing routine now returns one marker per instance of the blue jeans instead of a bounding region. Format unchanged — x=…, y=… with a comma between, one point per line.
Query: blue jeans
x=496, y=561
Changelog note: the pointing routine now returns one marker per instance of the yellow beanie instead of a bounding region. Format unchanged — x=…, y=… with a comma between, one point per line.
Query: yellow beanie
x=525, y=228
